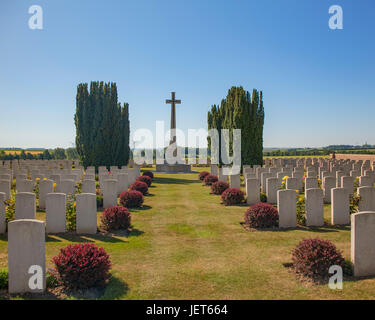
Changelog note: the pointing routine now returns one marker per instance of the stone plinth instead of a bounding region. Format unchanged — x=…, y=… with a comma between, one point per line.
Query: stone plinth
x=173, y=168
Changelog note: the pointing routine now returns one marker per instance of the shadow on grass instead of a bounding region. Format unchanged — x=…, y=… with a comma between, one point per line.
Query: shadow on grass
x=143, y=208
x=52, y=239
x=163, y=180
x=73, y=237
x=135, y=233
x=241, y=205
x=348, y=274
x=322, y=229
x=325, y=228
x=150, y=195
x=115, y=289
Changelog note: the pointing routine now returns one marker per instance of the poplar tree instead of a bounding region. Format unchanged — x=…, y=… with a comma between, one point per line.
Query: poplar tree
x=102, y=126
x=240, y=110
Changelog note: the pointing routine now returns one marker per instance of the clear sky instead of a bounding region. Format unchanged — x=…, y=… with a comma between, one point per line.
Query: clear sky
x=318, y=83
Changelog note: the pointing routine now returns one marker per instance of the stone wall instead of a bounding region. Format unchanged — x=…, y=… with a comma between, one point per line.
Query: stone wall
x=356, y=157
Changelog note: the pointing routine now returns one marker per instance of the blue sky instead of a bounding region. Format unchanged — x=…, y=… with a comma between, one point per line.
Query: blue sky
x=318, y=83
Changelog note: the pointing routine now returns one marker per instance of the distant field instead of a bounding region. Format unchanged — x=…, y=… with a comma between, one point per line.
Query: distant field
x=19, y=151
x=318, y=156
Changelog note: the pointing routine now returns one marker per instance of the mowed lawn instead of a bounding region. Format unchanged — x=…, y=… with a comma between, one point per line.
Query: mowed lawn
x=186, y=245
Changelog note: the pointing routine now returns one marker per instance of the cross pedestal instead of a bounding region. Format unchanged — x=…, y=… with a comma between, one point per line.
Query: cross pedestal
x=166, y=167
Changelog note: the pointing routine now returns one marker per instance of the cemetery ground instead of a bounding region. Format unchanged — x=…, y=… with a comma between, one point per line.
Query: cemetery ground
x=186, y=245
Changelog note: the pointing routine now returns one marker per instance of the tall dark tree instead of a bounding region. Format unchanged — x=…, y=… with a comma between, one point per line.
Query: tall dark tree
x=46, y=155
x=102, y=125
x=71, y=154
x=240, y=110
x=23, y=155
x=58, y=154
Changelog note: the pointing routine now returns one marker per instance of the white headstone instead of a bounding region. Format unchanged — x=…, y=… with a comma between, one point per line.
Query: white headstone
x=26, y=256
x=292, y=183
x=67, y=187
x=362, y=243
x=365, y=181
x=314, y=207
x=45, y=187
x=25, y=207
x=86, y=213
x=286, y=205
x=328, y=184
x=252, y=191
x=109, y=193
x=5, y=187
x=311, y=183
x=367, y=202
x=122, y=182
x=235, y=181
x=273, y=185
x=25, y=186
x=89, y=186
x=2, y=213
x=56, y=212
x=340, y=213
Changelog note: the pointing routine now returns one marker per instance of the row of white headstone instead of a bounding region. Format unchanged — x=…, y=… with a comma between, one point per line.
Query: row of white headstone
x=26, y=251
x=65, y=185
x=55, y=202
x=314, y=206
x=25, y=208
x=335, y=191
x=26, y=235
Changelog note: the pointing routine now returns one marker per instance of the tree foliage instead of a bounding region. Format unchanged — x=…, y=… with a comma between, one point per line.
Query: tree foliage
x=240, y=110
x=102, y=125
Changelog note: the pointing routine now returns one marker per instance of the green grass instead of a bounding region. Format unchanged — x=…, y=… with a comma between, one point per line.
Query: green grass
x=186, y=245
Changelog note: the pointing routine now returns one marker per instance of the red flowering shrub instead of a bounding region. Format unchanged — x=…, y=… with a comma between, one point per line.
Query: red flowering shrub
x=314, y=257
x=203, y=174
x=232, y=196
x=115, y=218
x=219, y=187
x=148, y=174
x=210, y=179
x=139, y=186
x=145, y=179
x=82, y=266
x=131, y=199
x=262, y=215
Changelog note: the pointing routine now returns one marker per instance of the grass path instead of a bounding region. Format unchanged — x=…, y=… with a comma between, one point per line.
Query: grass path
x=186, y=245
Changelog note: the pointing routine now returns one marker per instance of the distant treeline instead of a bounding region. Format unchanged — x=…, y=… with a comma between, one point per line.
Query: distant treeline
x=315, y=152
x=297, y=153
x=52, y=154
x=349, y=147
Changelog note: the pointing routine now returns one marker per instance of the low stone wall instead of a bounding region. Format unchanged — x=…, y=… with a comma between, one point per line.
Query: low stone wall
x=355, y=157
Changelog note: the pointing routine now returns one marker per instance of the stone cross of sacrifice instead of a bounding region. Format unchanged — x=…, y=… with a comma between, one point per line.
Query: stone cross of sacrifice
x=173, y=103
